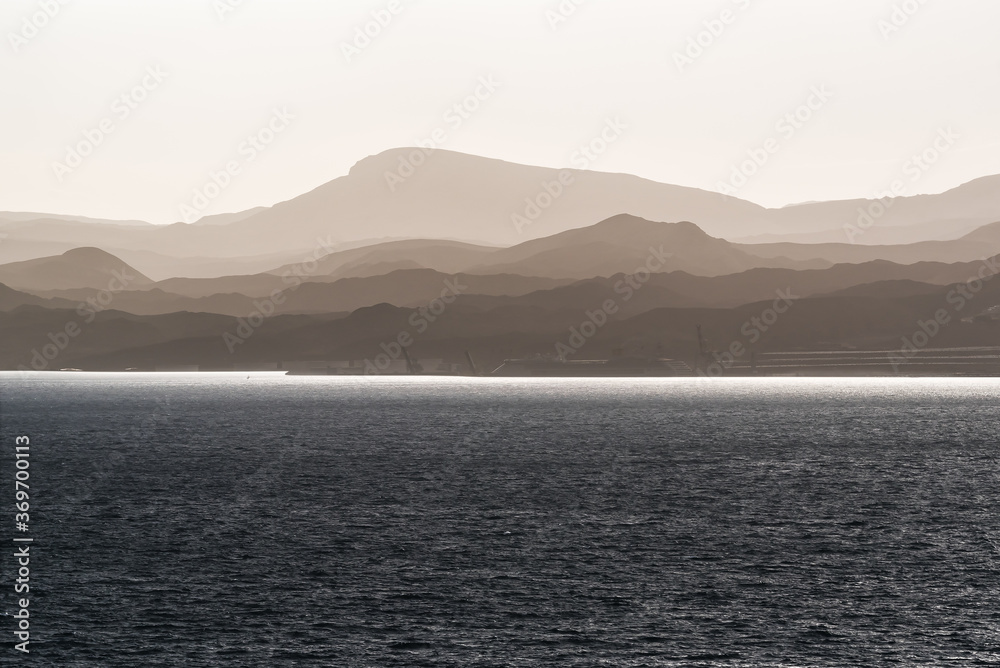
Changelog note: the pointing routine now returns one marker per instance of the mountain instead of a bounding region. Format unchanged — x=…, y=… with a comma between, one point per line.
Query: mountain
x=614, y=249
x=162, y=251
x=887, y=221
x=115, y=340
x=407, y=288
x=982, y=242
x=7, y=218
x=620, y=244
x=453, y=195
x=25, y=333
x=874, y=235
x=969, y=205
x=160, y=267
x=891, y=289
x=11, y=299
x=227, y=218
x=457, y=197
x=626, y=243
x=759, y=284
x=77, y=268
x=684, y=290
x=443, y=256
x=987, y=234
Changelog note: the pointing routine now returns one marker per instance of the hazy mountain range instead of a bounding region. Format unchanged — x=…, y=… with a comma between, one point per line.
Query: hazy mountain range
x=467, y=253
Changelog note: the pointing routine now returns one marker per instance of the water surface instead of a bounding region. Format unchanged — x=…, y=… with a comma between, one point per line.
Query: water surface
x=215, y=519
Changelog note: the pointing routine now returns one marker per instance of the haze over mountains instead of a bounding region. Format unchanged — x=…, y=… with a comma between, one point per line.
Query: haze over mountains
x=453, y=196
x=77, y=268
x=467, y=253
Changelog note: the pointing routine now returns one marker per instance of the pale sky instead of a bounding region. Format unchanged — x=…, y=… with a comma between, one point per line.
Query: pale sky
x=219, y=76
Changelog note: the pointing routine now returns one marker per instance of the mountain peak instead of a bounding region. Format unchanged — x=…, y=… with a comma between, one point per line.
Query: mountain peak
x=90, y=254
x=630, y=220
x=84, y=267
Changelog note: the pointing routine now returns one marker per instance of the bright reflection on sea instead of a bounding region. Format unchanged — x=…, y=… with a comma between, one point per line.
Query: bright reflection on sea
x=264, y=519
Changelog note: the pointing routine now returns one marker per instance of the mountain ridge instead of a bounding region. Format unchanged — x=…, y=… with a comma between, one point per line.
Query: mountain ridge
x=460, y=196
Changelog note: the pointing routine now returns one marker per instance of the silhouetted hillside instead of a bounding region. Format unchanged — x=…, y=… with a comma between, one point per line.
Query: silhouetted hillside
x=77, y=268
x=453, y=196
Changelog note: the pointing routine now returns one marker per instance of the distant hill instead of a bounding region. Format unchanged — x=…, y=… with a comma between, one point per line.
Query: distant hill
x=891, y=289
x=18, y=217
x=406, y=288
x=24, y=331
x=875, y=235
x=619, y=244
x=457, y=197
x=901, y=221
x=987, y=234
x=115, y=340
x=236, y=295
x=624, y=243
x=982, y=242
x=454, y=195
x=77, y=268
x=440, y=255
x=683, y=290
x=229, y=218
x=11, y=299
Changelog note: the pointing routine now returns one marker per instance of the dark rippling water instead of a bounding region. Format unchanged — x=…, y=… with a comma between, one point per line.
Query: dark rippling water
x=194, y=520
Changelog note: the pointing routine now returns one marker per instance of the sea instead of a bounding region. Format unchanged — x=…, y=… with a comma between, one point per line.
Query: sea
x=200, y=519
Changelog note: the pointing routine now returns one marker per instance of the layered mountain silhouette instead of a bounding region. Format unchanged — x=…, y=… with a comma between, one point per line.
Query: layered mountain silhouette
x=463, y=253
x=77, y=268
x=981, y=242
x=458, y=197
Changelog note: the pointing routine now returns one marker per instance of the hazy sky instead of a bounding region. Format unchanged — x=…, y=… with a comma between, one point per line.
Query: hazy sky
x=892, y=77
